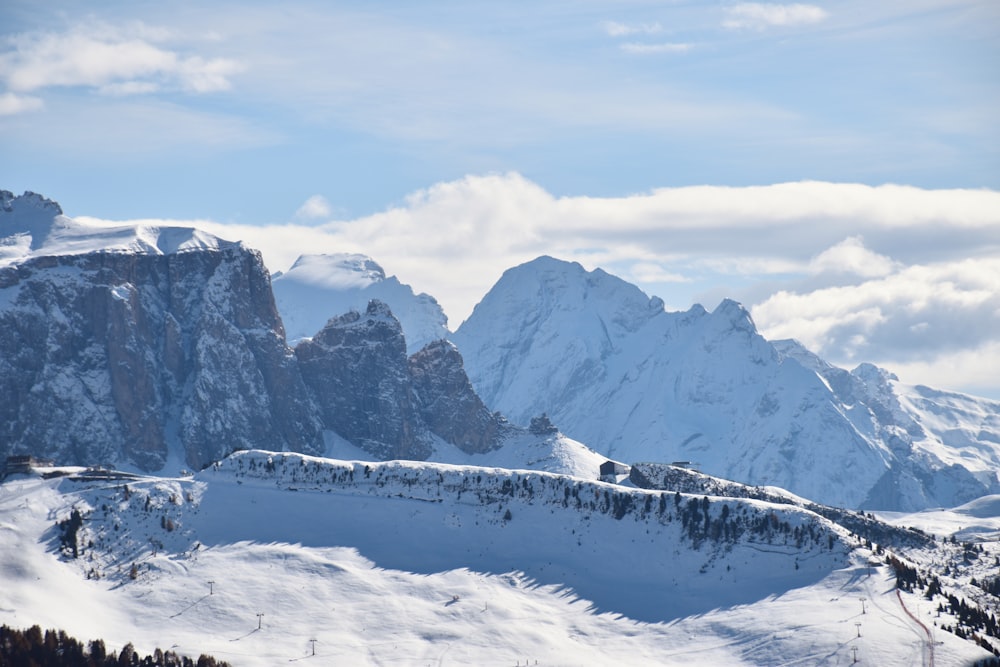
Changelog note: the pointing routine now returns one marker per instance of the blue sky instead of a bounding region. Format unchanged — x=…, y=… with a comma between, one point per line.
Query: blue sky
x=307, y=125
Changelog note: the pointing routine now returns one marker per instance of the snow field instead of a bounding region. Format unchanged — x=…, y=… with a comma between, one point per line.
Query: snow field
x=397, y=569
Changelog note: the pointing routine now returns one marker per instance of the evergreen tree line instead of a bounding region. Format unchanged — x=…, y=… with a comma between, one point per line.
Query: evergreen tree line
x=54, y=648
x=991, y=586
x=672, y=478
x=68, y=529
x=973, y=623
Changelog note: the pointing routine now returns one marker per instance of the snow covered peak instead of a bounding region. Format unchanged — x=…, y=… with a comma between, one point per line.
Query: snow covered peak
x=640, y=384
x=25, y=222
x=564, y=293
x=33, y=226
x=872, y=375
x=734, y=314
x=319, y=287
x=27, y=204
x=336, y=270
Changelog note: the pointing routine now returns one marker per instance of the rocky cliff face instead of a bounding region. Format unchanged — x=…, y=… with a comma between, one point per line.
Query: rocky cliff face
x=449, y=405
x=356, y=367
x=148, y=346
x=125, y=357
x=393, y=407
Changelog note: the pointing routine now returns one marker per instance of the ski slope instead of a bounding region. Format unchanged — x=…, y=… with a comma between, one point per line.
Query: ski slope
x=417, y=564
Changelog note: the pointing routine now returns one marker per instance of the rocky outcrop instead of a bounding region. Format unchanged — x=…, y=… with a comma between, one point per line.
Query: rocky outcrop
x=356, y=367
x=368, y=391
x=122, y=357
x=449, y=405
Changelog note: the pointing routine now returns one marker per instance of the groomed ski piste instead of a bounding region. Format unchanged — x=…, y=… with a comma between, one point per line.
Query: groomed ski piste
x=267, y=558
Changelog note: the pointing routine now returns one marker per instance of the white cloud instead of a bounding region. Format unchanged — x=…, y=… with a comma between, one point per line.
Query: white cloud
x=199, y=75
x=315, y=207
x=11, y=104
x=850, y=256
x=910, y=316
x=615, y=29
x=759, y=15
x=663, y=47
x=479, y=226
x=117, y=61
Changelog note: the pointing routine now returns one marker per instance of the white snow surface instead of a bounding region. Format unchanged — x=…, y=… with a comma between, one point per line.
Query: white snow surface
x=414, y=564
x=319, y=287
x=521, y=451
x=958, y=429
x=978, y=520
x=35, y=227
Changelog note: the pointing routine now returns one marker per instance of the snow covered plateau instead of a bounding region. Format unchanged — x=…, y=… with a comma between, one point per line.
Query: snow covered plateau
x=417, y=563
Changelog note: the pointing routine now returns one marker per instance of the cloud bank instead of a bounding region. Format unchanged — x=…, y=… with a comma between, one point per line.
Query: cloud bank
x=900, y=276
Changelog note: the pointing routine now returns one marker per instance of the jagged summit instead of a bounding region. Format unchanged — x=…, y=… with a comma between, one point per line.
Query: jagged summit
x=736, y=315
x=318, y=287
x=9, y=202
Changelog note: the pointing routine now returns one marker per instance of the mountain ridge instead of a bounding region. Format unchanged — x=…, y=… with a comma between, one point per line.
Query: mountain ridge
x=706, y=387
x=163, y=347
x=128, y=351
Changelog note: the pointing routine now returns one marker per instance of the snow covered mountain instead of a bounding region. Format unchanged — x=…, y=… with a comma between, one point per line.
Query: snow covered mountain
x=616, y=371
x=139, y=345
x=946, y=432
x=154, y=347
x=266, y=558
x=159, y=348
x=319, y=287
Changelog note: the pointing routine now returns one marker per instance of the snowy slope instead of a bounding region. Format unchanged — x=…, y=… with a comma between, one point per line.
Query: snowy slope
x=614, y=370
x=417, y=563
x=955, y=435
x=33, y=226
x=521, y=450
x=318, y=287
x=978, y=520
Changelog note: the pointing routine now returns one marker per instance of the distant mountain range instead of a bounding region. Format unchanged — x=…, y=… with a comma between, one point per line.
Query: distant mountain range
x=163, y=348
